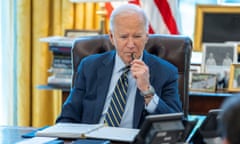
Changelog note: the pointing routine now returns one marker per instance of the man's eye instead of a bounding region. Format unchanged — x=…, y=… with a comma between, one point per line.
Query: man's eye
x=137, y=36
x=123, y=37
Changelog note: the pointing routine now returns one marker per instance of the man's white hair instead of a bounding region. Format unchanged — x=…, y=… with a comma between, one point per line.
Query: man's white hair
x=128, y=8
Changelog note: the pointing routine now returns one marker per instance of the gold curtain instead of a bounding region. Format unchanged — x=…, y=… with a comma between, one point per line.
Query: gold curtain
x=37, y=19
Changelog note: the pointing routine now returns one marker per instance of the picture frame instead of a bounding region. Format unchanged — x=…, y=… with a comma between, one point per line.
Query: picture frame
x=203, y=82
x=73, y=33
x=234, y=79
x=194, y=68
x=219, y=54
x=217, y=58
x=211, y=28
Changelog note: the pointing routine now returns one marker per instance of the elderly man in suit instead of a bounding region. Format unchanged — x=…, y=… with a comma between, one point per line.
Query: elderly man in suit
x=150, y=86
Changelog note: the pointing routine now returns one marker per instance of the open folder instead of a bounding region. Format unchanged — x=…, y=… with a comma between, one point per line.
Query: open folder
x=96, y=131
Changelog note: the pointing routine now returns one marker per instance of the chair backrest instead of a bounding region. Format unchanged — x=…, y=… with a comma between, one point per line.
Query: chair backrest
x=175, y=49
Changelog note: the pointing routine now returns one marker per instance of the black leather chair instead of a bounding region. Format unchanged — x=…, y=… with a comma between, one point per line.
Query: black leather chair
x=175, y=49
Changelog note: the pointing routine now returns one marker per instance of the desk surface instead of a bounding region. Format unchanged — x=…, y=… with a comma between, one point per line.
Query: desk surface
x=12, y=134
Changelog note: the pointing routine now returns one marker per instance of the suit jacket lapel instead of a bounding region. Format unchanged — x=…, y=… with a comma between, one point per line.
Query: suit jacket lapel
x=138, y=109
x=103, y=80
x=139, y=102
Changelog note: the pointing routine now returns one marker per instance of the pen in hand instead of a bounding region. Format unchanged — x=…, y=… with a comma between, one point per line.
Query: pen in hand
x=127, y=68
x=133, y=56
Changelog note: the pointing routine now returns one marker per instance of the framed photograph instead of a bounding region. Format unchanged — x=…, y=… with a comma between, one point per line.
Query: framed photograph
x=216, y=24
x=217, y=58
x=219, y=54
x=234, y=79
x=73, y=33
x=194, y=68
x=205, y=82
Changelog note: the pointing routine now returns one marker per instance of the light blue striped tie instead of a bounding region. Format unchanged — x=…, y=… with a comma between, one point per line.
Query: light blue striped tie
x=118, y=102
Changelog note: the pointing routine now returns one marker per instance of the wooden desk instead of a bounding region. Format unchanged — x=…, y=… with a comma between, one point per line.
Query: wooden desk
x=201, y=102
x=13, y=134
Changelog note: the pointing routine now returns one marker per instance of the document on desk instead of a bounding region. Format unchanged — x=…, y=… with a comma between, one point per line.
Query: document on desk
x=68, y=130
x=96, y=131
x=114, y=134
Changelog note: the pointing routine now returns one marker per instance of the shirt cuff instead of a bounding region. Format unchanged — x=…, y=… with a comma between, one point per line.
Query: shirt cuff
x=152, y=104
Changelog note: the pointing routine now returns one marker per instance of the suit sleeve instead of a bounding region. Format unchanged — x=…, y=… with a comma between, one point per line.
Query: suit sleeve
x=165, y=83
x=72, y=108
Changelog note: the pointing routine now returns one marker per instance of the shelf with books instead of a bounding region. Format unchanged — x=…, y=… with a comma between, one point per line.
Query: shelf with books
x=60, y=72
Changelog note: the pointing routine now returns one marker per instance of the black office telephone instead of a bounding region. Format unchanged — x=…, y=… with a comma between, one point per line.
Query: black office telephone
x=163, y=128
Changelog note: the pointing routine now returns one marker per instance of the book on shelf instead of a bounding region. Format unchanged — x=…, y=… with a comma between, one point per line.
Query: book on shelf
x=60, y=65
x=91, y=131
x=60, y=70
x=60, y=61
x=63, y=81
x=58, y=41
x=60, y=49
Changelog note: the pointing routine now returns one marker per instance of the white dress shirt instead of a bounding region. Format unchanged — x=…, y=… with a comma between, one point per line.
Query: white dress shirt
x=127, y=119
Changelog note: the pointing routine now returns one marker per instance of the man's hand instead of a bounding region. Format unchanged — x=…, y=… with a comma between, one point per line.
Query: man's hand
x=140, y=72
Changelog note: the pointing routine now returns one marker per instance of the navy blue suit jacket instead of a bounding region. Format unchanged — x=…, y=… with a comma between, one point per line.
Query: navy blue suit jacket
x=87, y=97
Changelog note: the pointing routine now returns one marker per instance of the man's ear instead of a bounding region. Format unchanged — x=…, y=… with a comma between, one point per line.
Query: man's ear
x=147, y=37
x=111, y=37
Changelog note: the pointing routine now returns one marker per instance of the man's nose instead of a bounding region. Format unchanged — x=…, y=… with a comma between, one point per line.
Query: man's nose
x=130, y=43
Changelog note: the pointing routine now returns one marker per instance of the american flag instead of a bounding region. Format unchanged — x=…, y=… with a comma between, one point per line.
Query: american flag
x=163, y=15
